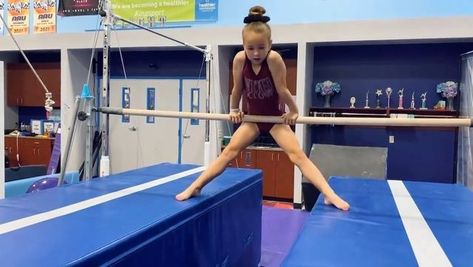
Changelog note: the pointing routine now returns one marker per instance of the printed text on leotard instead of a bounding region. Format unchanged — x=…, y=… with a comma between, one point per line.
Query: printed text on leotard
x=259, y=89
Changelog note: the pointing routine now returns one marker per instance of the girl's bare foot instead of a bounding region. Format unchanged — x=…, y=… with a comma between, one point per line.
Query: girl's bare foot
x=188, y=193
x=334, y=199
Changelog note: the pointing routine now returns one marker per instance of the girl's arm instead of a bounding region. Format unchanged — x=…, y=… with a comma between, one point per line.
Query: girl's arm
x=278, y=72
x=235, y=97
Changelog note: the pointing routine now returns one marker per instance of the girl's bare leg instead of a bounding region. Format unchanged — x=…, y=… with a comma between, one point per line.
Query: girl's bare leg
x=243, y=136
x=286, y=139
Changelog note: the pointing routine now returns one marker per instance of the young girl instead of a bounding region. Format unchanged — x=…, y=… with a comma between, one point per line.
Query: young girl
x=260, y=74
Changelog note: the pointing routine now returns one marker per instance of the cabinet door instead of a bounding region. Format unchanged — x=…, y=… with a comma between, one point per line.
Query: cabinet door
x=266, y=162
x=15, y=84
x=291, y=75
x=50, y=74
x=284, y=185
x=35, y=151
x=10, y=150
x=24, y=89
x=245, y=159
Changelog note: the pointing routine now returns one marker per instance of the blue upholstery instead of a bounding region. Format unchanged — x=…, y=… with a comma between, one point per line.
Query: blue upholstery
x=19, y=187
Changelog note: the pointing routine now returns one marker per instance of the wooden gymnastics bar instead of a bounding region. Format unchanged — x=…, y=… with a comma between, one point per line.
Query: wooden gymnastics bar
x=405, y=122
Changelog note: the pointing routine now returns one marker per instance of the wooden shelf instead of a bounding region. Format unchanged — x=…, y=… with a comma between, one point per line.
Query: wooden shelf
x=381, y=112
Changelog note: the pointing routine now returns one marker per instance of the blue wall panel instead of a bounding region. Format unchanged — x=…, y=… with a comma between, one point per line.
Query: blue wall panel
x=417, y=153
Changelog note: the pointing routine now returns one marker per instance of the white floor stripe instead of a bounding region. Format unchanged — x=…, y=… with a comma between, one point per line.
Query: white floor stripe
x=427, y=249
x=41, y=217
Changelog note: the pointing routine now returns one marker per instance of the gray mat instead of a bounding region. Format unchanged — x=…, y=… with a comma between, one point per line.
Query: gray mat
x=355, y=161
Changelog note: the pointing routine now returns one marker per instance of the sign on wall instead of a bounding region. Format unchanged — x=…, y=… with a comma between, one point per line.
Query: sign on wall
x=18, y=16
x=153, y=12
x=44, y=16
x=78, y=8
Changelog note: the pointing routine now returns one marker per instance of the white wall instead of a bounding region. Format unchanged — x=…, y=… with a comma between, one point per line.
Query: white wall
x=74, y=69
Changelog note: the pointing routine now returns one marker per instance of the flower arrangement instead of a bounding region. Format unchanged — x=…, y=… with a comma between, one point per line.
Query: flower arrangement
x=448, y=89
x=327, y=88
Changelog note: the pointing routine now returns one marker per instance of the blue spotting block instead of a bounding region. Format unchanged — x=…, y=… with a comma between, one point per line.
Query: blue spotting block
x=374, y=232
x=143, y=226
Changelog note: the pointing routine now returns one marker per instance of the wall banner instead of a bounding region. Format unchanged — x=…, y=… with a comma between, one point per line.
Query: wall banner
x=18, y=16
x=44, y=16
x=2, y=4
x=151, y=13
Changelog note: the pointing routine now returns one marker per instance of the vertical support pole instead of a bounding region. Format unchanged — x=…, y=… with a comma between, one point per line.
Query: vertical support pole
x=104, y=161
x=208, y=58
x=89, y=149
x=69, y=142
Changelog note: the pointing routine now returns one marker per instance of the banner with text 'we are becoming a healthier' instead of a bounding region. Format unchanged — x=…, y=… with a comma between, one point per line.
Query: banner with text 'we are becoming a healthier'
x=152, y=12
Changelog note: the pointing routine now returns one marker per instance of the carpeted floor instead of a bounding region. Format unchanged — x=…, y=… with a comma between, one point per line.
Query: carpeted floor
x=281, y=226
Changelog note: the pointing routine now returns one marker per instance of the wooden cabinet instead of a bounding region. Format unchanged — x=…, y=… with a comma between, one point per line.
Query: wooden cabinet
x=23, y=88
x=278, y=173
x=11, y=144
x=246, y=159
x=278, y=170
x=31, y=151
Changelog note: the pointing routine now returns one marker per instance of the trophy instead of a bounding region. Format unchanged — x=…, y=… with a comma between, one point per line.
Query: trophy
x=413, y=103
x=379, y=92
x=423, y=97
x=401, y=94
x=388, y=93
x=366, y=100
x=352, y=102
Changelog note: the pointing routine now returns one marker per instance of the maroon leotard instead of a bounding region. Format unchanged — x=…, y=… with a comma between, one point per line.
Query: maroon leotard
x=260, y=92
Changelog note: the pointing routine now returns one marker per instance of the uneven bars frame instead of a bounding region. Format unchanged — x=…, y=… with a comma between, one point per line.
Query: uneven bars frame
x=109, y=17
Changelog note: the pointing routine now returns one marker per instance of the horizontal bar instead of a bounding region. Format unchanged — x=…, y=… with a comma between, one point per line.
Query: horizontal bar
x=405, y=122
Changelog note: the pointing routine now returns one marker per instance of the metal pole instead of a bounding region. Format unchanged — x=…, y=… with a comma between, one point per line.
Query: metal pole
x=160, y=34
x=69, y=143
x=88, y=143
x=104, y=168
x=208, y=58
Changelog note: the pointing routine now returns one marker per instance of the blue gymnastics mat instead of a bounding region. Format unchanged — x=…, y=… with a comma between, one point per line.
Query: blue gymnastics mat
x=133, y=219
x=391, y=223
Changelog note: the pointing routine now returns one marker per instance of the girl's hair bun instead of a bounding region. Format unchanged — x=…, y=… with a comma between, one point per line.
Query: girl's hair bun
x=256, y=14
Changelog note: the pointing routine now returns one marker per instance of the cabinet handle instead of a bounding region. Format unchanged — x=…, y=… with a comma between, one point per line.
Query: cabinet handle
x=248, y=157
x=36, y=143
x=278, y=156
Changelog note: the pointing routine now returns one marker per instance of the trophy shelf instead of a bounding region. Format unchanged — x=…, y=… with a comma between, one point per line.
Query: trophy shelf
x=381, y=112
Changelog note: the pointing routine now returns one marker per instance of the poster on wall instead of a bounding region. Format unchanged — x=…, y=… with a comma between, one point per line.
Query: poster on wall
x=78, y=7
x=18, y=12
x=2, y=3
x=44, y=16
x=152, y=13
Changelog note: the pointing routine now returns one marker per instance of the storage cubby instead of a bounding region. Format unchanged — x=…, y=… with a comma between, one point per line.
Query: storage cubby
x=420, y=154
